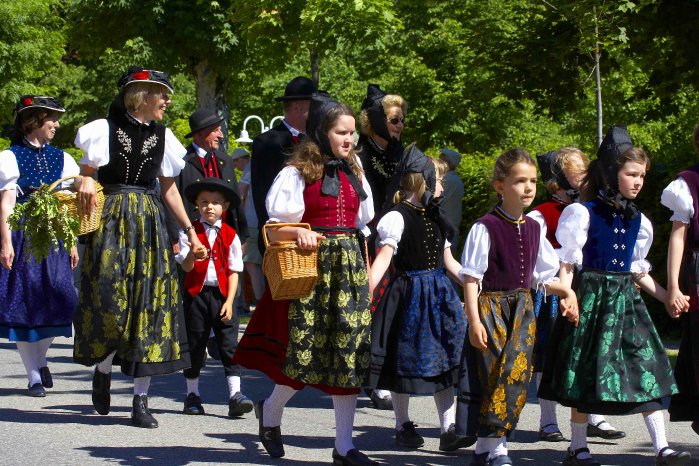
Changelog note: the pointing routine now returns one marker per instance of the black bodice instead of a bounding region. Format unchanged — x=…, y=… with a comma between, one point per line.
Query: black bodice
x=421, y=246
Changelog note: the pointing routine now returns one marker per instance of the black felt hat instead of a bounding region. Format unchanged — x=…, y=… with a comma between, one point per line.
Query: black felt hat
x=212, y=184
x=38, y=101
x=299, y=88
x=136, y=74
x=203, y=118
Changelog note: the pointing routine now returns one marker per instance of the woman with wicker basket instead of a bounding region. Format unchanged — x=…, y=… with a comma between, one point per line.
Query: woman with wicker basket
x=130, y=309
x=321, y=340
x=37, y=299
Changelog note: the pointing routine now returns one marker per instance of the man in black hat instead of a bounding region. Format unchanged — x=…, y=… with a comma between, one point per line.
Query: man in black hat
x=271, y=150
x=205, y=159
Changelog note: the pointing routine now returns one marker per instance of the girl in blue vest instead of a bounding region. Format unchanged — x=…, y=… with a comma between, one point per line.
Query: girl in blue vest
x=419, y=327
x=37, y=299
x=682, y=197
x=504, y=255
x=613, y=362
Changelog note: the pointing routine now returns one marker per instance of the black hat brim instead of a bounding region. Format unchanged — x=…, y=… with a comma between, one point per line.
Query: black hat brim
x=204, y=124
x=212, y=184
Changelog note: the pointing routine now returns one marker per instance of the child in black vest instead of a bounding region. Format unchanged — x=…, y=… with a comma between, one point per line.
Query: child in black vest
x=209, y=290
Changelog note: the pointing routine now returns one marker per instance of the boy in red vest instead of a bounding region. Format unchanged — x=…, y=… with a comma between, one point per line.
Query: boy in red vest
x=210, y=283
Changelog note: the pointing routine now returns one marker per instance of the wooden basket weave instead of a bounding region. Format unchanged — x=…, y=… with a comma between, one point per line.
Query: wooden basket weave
x=291, y=272
x=89, y=221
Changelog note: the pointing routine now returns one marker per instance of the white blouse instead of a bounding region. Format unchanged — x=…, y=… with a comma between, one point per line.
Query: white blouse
x=572, y=234
x=677, y=198
x=474, y=259
x=93, y=140
x=285, y=200
x=390, y=230
x=539, y=217
x=9, y=170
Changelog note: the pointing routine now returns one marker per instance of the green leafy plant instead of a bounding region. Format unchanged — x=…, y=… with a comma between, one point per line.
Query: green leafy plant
x=46, y=223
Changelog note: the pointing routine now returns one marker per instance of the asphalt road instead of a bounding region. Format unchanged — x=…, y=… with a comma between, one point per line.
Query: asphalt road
x=63, y=428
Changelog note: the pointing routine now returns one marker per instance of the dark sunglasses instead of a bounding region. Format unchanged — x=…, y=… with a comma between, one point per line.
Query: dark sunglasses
x=396, y=120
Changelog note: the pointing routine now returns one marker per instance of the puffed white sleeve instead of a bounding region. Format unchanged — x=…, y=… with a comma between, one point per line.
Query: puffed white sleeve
x=366, y=207
x=390, y=229
x=474, y=259
x=644, y=240
x=235, y=256
x=572, y=233
x=9, y=170
x=547, y=263
x=93, y=140
x=172, y=163
x=678, y=199
x=70, y=168
x=285, y=198
x=539, y=217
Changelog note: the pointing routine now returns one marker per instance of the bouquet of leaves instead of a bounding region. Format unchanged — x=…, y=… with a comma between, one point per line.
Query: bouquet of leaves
x=46, y=223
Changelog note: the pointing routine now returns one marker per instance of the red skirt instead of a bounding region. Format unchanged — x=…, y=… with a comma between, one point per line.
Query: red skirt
x=263, y=345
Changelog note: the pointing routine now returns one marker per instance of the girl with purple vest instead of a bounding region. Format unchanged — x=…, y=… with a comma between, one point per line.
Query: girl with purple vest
x=613, y=362
x=504, y=255
x=682, y=197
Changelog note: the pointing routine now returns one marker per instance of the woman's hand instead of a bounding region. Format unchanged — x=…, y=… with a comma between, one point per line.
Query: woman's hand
x=477, y=335
x=87, y=193
x=676, y=303
x=199, y=250
x=7, y=254
x=569, y=307
x=308, y=239
x=74, y=258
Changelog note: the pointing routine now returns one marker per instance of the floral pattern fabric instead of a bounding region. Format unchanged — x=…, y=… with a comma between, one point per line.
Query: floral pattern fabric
x=129, y=294
x=504, y=367
x=614, y=356
x=329, y=330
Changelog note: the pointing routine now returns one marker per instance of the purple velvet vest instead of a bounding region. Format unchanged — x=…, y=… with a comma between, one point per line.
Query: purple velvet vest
x=691, y=177
x=513, y=252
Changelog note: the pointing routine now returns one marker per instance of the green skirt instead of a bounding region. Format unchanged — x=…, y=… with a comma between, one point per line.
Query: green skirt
x=329, y=330
x=613, y=362
x=129, y=292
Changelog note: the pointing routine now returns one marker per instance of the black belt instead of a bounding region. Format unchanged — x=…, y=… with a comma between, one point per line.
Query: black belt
x=111, y=189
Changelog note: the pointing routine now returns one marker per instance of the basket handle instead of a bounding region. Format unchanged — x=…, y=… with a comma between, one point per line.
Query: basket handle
x=53, y=185
x=279, y=225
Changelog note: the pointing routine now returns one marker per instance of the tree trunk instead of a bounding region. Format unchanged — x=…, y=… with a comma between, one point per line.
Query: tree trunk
x=315, y=66
x=210, y=94
x=598, y=83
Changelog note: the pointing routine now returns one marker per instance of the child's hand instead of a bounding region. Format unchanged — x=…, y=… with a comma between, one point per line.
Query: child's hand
x=677, y=303
x=226, y=311
x=200, y=252
x=569, y=307
x=477, y=335
x=308, y=239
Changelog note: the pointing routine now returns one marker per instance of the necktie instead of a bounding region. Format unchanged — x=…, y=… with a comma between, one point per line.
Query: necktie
x=209, y=164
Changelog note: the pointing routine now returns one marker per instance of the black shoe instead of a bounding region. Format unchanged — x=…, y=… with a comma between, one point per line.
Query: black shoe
x=695, y=427
x=555, y=436
x=611, y=434
x=238, y=405
x=451, y=441
x=36, y=390
x=408, y=436
x=212, y=349
x=141, y=417
x=479, y=459
x=101, y=398
x=381, y=403
x=501, y=460
x=676, y=458
x=271, y=437
x=572, y=459
x=353, y=457
x=192, y=405
x=46, y=379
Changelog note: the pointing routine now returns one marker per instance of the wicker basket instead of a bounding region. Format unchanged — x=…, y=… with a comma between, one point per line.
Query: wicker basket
x=89, y=221
x=291, y=272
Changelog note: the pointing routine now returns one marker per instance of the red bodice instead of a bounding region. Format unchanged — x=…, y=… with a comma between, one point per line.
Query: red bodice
x=322, y=210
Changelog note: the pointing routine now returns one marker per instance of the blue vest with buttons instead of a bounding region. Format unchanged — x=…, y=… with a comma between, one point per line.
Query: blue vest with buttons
x=610, y=239
x=36, y=166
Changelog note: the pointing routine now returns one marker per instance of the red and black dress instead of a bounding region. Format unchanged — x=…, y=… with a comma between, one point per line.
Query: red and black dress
x=321, y=340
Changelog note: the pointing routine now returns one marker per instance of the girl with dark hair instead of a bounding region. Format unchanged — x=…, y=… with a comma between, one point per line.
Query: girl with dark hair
x=37, y=300
x=504, y=255
x=613, y=362
x=682, y=197
x=130, y=310
x=321, y=340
